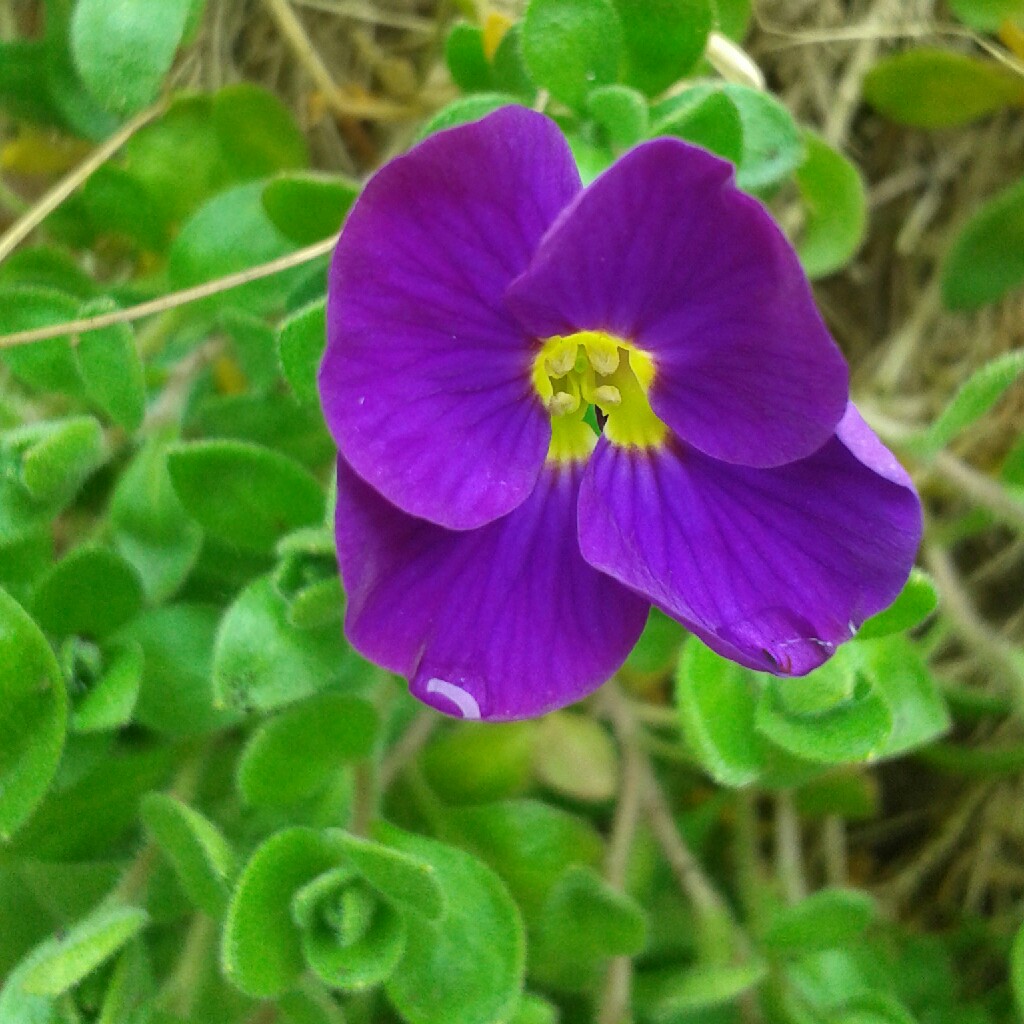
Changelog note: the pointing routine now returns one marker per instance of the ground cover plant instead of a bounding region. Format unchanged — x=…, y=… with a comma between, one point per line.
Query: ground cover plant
x=214, y=809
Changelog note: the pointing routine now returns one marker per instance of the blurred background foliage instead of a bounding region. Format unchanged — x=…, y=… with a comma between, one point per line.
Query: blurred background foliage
x=212, y=810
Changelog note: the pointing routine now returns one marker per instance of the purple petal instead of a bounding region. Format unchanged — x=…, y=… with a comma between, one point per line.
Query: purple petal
x=426, y=380
x=664, y=251
x=770, y=567
x=498, y=623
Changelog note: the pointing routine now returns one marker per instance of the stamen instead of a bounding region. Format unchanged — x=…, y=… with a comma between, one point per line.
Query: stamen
x=603, y=359
x=562, y=403
x=607, y=395
x=561, y=361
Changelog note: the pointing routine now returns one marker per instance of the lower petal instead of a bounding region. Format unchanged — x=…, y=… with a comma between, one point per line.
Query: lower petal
x=503, y=622
x=772, y=568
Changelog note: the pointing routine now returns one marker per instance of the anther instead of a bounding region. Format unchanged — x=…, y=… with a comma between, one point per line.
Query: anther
x=559, y=363
x=607, y=395
x=561, y=403
x=604, y=360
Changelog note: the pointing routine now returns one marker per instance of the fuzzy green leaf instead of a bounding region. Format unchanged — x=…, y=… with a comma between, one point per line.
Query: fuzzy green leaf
x=975, y=398
x=927, y=88
x=330, y=729
x=123, y=48
x=33, y=715
x=112, y=370
x=300, y=344
x=262, y=661
x=835, y=205
x=572, y=46
x=242, y=494
x=110, y=701
x=987, y=258
x=468, y=966
x=65, y=602
x=197, y=850
x=662, y=39
x=827, y=918
x=60, y=964
x=308, y=207
x=261, y=949
x=917, y=600
x=717, y=701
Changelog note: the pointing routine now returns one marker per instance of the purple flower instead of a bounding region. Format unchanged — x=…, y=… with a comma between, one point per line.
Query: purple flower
x=496, y=549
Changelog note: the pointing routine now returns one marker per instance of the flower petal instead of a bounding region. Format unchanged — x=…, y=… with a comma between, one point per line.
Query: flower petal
x=663, y=251
x=426, y=380
x=498, y=623
x=770, y=567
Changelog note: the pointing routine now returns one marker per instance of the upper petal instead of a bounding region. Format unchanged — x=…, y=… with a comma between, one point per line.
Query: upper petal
x=426, y=379
x=503, y=622
x=664, y=251
x=770, y=567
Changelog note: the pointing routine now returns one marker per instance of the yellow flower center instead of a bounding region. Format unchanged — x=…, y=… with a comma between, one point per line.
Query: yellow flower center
x=575, y=372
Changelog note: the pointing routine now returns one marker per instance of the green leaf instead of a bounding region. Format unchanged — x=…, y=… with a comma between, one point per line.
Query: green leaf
x=98, y=804
x=534, y=1009
x=657, y=650
x=229, y=233
x=467, y=765
x=152, y=156
x=308, y=207
x=300, y=345
x=33, y=715
x=530, y=844
x=585, y=920
x=176, y=698
x=572, y=46
x=707, y=117
x=663, y=39
x=850, y=731
x=60, y=964
x=466, y=109
x=201, y=857
x=1017, y=969
x=263, y=662
x=65, y=601
x=575, y=756
x=310, y=1007
x=242, y=494
x=987, y=15
x=123, y=48
x=987, y=259
x=46, y=365
x=902, y=677
x=622, y=112
x=330, y=729
x=110, y=701
x=116, y=205
x=828, y=918
x=254, y=349
x=257, y=132
x=671, y=993
x=466, y=60
x=111, y=369
x=717, y=702
x=261, y=950
x=63, y=455
x=773, y=147
x=468, y=966
x=732, y=17
x=835, y=207
x=510, y=74
x=365, y=939
x=916, y=602
x=928, y=88
x=975, y=398
x=149, y=525
x=410, y=881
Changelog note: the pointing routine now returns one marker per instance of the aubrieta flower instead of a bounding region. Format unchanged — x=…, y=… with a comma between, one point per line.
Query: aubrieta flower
x=557, y=406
